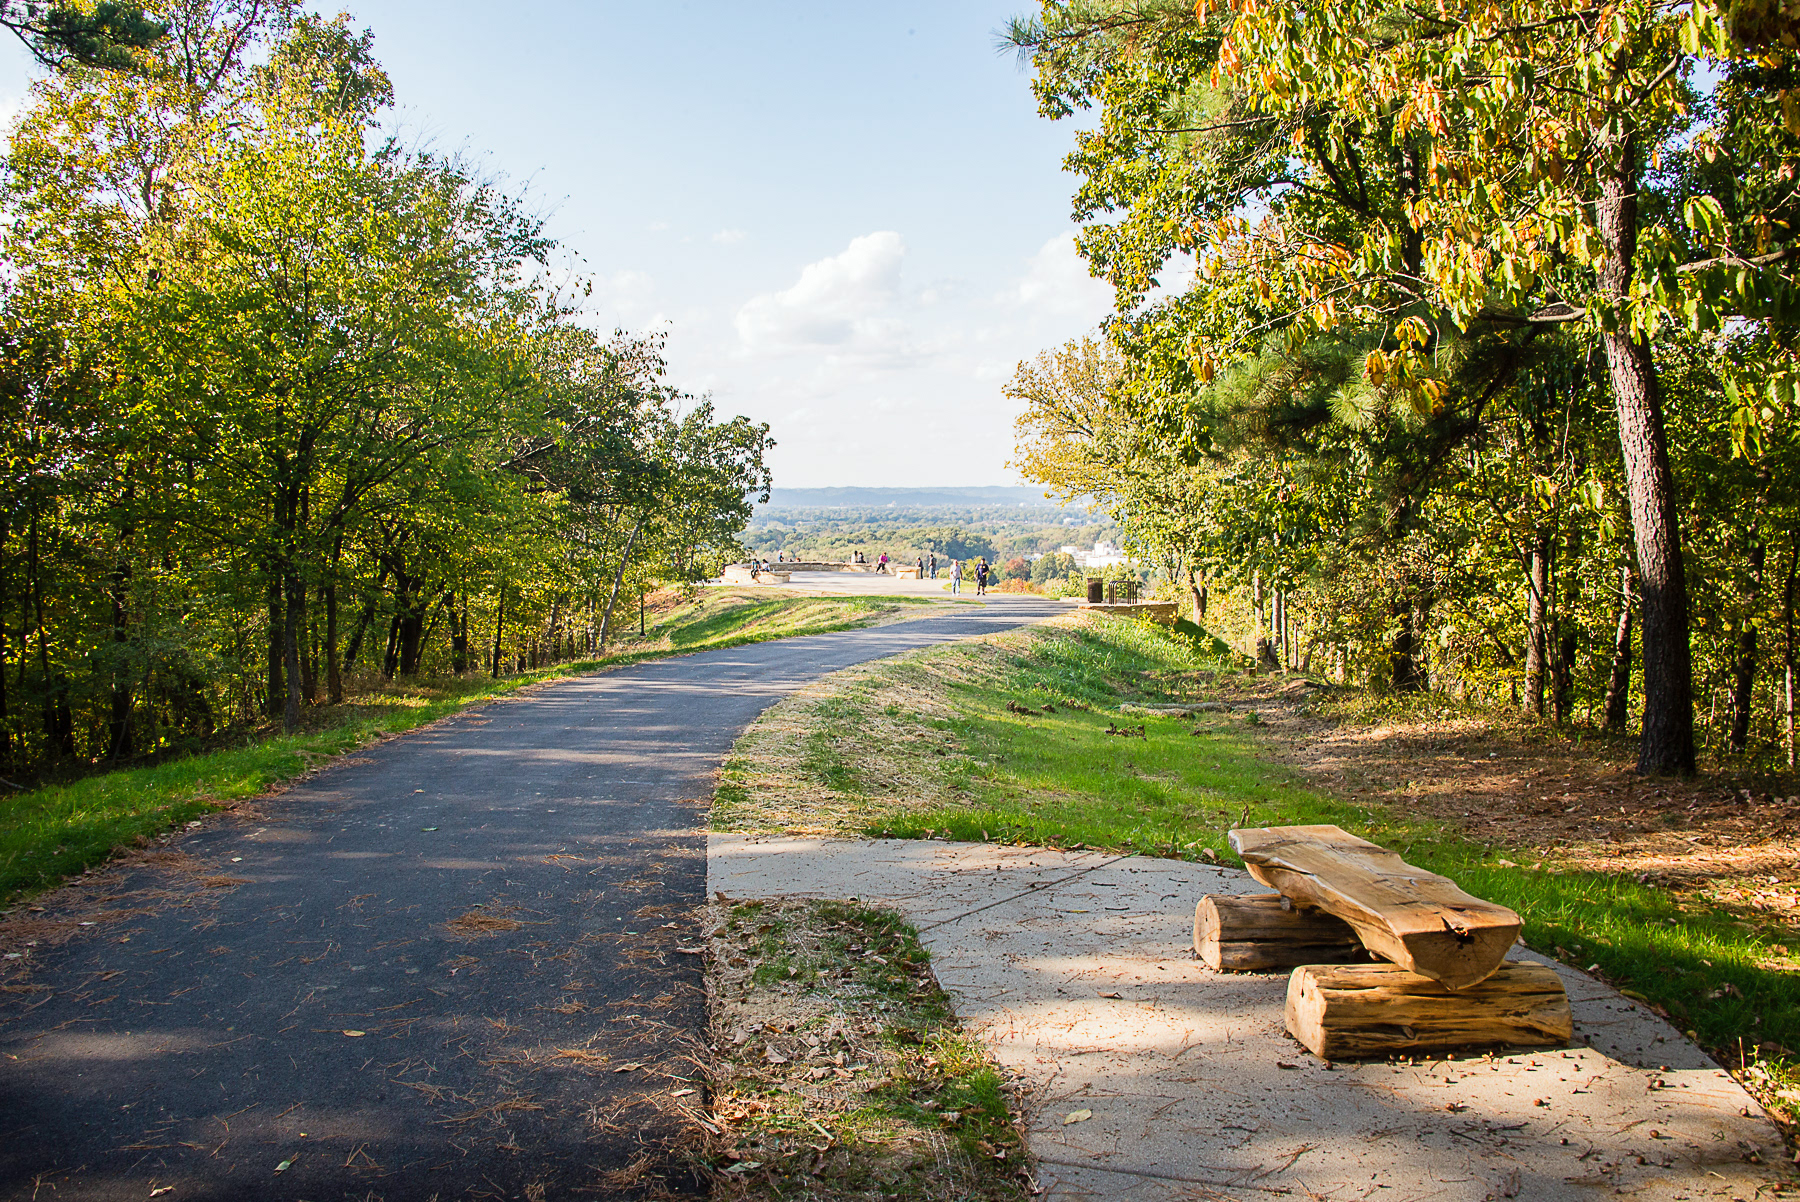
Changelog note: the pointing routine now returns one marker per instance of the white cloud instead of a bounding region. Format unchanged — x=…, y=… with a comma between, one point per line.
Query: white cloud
x=727, y=237
x=847, y=303
x=1057, y=280
x=657, y=227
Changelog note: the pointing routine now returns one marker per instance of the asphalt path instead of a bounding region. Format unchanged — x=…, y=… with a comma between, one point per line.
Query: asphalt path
x=447, y=967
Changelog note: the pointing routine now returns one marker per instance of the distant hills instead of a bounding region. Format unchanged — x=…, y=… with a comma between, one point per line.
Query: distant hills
x=905, y=498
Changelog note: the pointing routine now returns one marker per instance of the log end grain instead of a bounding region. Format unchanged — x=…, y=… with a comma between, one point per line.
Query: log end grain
x=1348, y=1012
x=1258, y=932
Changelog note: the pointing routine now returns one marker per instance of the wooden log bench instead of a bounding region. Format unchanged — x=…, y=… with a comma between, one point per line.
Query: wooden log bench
x=1342, y=1012
x=1419, y=920
x=1262, y=931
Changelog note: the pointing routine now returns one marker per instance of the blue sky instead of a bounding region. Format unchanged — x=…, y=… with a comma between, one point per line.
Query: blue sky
x=848, y=217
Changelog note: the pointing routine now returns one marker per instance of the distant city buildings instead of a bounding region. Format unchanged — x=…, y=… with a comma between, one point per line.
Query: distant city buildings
x=1104, y=555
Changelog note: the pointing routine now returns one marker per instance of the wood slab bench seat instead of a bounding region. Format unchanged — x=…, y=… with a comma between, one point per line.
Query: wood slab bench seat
x=1418, y=919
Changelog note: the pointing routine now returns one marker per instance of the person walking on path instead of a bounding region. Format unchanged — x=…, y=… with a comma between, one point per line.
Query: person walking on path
x=934, y=565
x=956, y=575
x=920, y=562
x=981, y=577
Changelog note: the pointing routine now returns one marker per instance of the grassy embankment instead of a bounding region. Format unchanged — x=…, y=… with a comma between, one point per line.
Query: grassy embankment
x=927, y=745
x=54, y=832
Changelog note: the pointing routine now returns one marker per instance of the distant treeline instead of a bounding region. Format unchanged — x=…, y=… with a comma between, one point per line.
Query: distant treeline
x=829, y=535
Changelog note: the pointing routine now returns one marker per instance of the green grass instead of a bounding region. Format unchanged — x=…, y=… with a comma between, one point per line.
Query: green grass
x=49, y=834
x=725, y=620
x=1059, y=779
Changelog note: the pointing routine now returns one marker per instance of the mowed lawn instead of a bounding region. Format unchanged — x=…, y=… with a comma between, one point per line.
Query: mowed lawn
x=1079, y=775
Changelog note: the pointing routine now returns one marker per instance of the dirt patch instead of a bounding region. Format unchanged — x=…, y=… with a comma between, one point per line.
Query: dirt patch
x=841, y=1072
x=477, y=924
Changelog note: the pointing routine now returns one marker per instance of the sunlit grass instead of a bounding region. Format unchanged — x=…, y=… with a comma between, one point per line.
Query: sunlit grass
x=1060, y=779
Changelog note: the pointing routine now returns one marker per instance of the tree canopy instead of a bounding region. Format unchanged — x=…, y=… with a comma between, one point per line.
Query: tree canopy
x=286, y=402
x=1477, y=293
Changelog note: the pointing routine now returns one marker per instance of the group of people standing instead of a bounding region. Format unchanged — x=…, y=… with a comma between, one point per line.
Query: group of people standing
x=927, y=566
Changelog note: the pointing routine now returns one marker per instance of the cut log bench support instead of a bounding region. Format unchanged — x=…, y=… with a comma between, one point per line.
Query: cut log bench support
x=1261, y=931
x=1418, y=919
x=1342, y=898
x=1343, y=1012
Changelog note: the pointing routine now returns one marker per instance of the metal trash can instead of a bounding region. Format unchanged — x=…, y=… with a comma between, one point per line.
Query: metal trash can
x=1096, y=590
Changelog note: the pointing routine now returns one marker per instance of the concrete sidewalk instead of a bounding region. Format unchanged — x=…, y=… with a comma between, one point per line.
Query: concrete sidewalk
x=1076, y=971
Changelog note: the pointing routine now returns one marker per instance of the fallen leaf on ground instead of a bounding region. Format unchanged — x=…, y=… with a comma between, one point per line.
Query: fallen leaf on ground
x=1285, y=1064
x=1111, y=993
x=1077, y=1116
x=744, y=1166
x=284, y=1166
x=682, y=1093
x=356, y=1034
x=161, y=1189
x=628, y=1068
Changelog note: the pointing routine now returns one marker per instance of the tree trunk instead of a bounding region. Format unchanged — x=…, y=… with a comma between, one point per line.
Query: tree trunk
x=1291, y=634
x=459, y=632
x=1281, y=632
x=365, y=619
x=410, y=618
x=1568, y=644
x=1618, y=688
x=1537, y=625
x=1667, y=745
x=1787, y=653
x=1265, y=654
x=499, y=628
x=334, y=675
x=1403, y=667
x=118, y=725
x=6, y=739
x=611, y=597
x=296, y=617
x=277, y=623
x=390, y=661
x=309, y=659
x=1743, y=676
x=59, y=724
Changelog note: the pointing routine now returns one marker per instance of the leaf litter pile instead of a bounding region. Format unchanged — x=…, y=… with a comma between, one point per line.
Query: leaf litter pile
x=840, y=1070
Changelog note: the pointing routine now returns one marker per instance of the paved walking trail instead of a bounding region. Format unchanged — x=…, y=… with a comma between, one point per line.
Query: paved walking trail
x=447, y=967
x=1075, y=969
